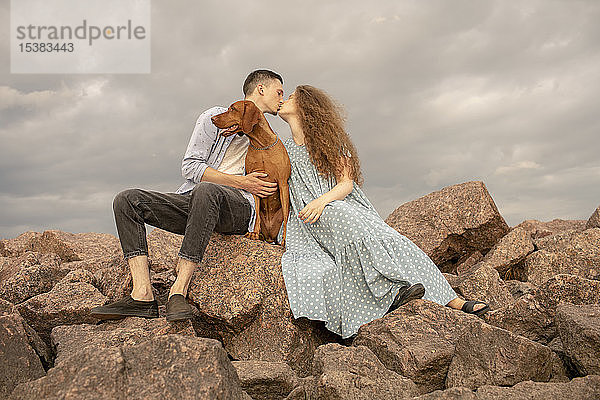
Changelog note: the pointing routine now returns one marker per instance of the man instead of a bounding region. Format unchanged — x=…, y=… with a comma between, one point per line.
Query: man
x=216, y=196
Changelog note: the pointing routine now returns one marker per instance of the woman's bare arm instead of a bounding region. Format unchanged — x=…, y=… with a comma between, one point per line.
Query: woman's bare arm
x=313, y=210
x=343, y=188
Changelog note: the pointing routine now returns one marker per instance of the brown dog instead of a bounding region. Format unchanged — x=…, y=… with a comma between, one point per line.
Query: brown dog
x=267, y=154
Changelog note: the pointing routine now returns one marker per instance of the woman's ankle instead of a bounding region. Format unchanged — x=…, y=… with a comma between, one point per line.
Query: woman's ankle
x=456, y=303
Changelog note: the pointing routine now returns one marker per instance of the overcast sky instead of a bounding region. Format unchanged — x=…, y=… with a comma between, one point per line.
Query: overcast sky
x=436, y=92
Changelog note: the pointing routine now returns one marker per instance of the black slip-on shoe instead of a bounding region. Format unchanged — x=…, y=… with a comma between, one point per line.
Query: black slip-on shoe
x=178, y=308
x=470, y=304
x=126, y=307
x=406, y=294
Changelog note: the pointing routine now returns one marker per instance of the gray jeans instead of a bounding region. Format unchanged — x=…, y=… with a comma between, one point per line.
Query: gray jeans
x=208, y=207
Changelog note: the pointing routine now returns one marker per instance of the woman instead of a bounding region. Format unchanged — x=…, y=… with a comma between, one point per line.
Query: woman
x=343, y=264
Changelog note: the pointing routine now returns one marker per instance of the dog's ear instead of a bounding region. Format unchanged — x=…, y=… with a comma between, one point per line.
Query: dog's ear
x=250, y=117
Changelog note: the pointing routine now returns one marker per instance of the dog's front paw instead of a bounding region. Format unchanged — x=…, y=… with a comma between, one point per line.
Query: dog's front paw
x=252, y=235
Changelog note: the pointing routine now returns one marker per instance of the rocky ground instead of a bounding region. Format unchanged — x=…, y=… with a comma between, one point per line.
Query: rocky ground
x=540, y=341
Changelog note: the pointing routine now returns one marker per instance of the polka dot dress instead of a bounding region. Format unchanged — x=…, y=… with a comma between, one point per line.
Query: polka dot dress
x=346, y=268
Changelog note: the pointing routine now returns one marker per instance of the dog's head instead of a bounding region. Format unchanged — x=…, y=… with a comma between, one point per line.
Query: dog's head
x=239, y=118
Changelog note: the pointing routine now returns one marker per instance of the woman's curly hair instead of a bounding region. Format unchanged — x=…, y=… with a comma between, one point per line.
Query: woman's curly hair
x=322, y=120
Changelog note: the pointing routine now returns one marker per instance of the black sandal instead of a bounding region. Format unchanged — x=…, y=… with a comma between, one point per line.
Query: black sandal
x=469, y=304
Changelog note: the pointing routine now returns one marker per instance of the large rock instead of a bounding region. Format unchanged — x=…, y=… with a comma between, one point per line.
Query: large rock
x=39, y=346
x=16, y=246
x=170, y=366
x=416, y=340
x=452, y=223
x=453, y=393
x=542, y=265
x=98, y=253
x=483, y=283
x=76, y=246
x=572, y=242
x=69, y=302
x=304, y=390
x=585, y=388
x=570, y=252
x=69, y=340
x=538, y=229
x=21, y=350
x=533, y=315
x=68, y=246
x=594, y=221
x=419, y=341
x=509, y=251
x=579, y=329
x=265, y=380
x=356, y=373
x=465, y=264
x=570, y=371
x=241, y=295
x=111, y=275
x=488, y=355
x=9, y=266
x=518, y=288
x=28, y=275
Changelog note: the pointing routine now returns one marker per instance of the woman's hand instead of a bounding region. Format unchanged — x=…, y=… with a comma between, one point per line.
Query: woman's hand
x=312, y=211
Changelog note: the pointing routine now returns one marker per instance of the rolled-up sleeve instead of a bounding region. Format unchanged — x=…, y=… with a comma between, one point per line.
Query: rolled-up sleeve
x=198, y=150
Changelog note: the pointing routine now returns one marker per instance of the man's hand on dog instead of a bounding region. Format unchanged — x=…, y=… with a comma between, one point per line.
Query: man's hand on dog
x=259, y=187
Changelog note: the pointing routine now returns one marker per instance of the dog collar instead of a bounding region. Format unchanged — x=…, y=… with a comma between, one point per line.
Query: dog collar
x=265, y=148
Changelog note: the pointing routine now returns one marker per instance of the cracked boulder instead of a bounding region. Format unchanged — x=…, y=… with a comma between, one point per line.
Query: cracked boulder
x=265, y=380
x=29, y=274
x=485, y=354
x=533, y=315
x=240, y=292
x=69, y=340
x=355, y=373
x=176, y=366
x=538, y=229
x=22, y=352
x=75, y=246
x=509, y=251
x=579, y=330
x=584, y=388
x=483, y=283
x=570, y=252
x=430, y=344
x=16, y=246
x=451, y=224
x=69, y=302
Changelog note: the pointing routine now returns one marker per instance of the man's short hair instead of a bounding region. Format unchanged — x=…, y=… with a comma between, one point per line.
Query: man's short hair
x=263, y=76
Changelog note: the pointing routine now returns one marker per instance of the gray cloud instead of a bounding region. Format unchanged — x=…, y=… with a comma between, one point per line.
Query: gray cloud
x=436, y=93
